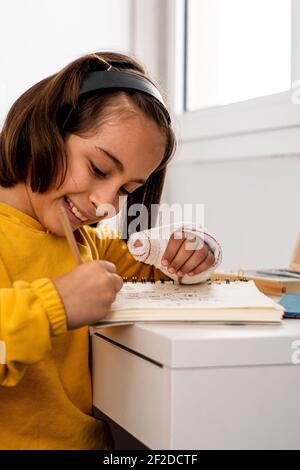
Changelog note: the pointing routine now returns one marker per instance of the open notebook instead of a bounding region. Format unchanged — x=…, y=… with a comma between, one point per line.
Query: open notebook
x=210, y=302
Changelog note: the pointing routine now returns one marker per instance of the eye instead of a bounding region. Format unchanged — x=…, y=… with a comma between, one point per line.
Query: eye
x=99, y=174
x=95, y=171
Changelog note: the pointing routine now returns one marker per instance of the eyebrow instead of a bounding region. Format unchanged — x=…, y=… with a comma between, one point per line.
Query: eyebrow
x=118, y=163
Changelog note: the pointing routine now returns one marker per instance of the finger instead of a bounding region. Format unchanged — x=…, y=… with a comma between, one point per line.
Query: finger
x=183, y=256
x=171, y=250
x=179, y=259
x=109, y=266
x=117, y=281
x=208, y=263
x=194, y=261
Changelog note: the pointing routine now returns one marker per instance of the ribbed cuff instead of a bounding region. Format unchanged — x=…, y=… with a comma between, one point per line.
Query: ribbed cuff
x=53, y=305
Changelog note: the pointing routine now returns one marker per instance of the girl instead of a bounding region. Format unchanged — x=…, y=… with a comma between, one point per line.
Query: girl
x=93, y=132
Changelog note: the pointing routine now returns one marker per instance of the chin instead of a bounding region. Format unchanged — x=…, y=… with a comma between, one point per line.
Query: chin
x=55, y=229
x=57, y=233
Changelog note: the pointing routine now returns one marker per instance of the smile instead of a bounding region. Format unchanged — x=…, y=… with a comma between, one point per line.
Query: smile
x=75, y=210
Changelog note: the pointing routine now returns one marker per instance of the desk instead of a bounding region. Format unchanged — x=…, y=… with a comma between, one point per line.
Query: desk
x=201, y=386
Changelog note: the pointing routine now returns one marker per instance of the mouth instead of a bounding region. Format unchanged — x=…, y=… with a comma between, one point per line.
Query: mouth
x=74, y=214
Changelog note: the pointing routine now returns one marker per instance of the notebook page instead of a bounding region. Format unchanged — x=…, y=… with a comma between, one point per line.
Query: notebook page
x=206, y=296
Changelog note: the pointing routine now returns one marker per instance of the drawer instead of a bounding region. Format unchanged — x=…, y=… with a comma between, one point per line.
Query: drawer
x=133, y=391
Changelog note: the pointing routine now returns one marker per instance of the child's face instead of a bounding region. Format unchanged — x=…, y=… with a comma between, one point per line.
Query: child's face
x=126, y=149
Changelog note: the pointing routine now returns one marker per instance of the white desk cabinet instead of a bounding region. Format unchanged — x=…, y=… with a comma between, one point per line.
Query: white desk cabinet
x=201, y=386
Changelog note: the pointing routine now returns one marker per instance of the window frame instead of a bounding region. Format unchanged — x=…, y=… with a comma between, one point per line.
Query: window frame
x=222, y=132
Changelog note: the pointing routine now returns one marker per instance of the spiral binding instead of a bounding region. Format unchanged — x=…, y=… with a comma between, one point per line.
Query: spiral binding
x=144, y=280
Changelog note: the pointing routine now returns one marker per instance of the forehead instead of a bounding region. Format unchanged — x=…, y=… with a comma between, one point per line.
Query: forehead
x=135, y=139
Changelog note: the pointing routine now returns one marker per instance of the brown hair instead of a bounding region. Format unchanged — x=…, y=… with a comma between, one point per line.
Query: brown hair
x=32, y=139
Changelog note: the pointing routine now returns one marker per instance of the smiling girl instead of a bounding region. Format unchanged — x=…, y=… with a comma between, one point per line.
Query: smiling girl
x=93, y=132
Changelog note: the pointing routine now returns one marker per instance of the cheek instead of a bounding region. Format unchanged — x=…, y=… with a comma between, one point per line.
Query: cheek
x=78, y=177
x=117, y=205
x=113, y=208
x=121, y=202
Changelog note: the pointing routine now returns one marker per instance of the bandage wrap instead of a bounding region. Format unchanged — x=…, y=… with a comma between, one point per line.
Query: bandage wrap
x=148, y=247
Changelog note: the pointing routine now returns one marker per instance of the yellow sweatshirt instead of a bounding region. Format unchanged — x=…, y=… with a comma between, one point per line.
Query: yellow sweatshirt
x=45, y=384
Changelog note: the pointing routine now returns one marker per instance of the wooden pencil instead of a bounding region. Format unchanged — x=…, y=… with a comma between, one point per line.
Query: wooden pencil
x=69, y=234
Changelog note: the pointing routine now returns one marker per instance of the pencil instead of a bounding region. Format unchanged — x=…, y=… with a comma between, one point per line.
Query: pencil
x=69, y=234
x=295, y=261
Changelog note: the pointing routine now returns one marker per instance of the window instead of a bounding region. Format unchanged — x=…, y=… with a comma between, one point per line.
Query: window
x=232, y=67
x=236, y=50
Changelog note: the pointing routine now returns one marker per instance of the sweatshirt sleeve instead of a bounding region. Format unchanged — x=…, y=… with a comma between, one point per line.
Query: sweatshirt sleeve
x=30, y=313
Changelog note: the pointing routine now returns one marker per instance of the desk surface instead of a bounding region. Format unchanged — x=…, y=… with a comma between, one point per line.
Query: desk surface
x=208, y=345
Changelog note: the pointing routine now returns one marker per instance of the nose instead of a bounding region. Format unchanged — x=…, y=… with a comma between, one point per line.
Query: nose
x=104, y=201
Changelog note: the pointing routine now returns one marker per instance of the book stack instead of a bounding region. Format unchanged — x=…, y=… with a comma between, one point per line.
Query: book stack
x=269, y=281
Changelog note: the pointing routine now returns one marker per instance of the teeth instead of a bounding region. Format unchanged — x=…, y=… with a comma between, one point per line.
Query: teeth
x=76, y=211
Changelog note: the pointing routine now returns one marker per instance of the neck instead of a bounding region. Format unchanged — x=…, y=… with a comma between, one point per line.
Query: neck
x=18, y=198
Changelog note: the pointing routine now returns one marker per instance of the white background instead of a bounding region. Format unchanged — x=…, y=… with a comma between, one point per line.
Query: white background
x=38, y=37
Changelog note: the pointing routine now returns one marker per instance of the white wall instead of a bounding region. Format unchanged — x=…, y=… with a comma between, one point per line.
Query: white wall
x=37, y=37
x=251, y=205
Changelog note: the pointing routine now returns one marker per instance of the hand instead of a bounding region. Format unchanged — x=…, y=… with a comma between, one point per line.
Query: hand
x=88, y=291
x=187, y=255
